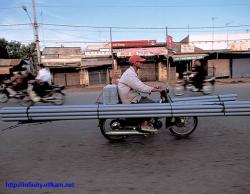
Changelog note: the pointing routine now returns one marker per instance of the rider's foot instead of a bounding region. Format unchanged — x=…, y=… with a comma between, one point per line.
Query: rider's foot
x=12, y=95
x=34, y=97
x=195, y=89
x=149, y=129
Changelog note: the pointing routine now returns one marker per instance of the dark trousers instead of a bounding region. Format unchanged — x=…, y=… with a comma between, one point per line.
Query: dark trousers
x=198, y=81
x=40, y=88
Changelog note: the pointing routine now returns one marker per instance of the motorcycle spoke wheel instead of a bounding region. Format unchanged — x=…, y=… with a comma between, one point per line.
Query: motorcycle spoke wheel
x=179, y=90
x=58, y=98
x=3, y=98
x=106, y=126
x=183, y=126
x=207, y=88
x=26, y=101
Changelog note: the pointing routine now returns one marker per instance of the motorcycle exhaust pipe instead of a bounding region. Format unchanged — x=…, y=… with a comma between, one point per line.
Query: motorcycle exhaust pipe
x=125, y=133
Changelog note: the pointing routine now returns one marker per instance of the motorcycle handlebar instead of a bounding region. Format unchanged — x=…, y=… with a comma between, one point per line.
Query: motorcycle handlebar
x=164, y=92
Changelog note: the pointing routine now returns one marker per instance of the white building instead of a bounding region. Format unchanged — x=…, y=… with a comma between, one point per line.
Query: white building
x=208, y=42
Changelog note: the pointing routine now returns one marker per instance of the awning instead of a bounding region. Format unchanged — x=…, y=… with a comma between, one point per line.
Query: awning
x=188, y=57
x=95, y=62
x=149, y=51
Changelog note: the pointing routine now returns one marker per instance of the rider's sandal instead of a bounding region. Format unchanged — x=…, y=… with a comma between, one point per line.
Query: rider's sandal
x=149, y=129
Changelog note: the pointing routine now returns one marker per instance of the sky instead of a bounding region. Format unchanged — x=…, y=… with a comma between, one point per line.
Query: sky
x=179, y=16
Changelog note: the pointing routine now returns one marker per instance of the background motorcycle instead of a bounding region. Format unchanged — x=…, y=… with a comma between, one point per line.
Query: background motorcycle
x=20, y=95
x=187, y=84
x=119, y=129
x=54, y=94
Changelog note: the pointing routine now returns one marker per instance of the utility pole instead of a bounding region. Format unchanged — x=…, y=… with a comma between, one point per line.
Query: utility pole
x=111, y=48
x=168, y=65
x=213, y=18
x=35, y=29
x=36, y=32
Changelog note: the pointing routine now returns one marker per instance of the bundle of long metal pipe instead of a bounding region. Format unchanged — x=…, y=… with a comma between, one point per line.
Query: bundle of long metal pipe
x=214, y=98
x=75, y=112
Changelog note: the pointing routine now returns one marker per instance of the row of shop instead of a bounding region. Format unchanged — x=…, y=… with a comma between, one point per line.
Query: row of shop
x=70, y=68
x=157, y=68
x=75, y=76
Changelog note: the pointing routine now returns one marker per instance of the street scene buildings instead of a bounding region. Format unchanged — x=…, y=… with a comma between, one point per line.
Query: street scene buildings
x=176, y=122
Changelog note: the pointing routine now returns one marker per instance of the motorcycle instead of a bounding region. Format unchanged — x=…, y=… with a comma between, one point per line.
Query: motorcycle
x=119, y=129
x=54, y=94
x=187, y=84
x=20, y=95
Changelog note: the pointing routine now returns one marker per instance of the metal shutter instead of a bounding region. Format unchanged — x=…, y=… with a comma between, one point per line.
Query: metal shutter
x=221, y=67
x=149, y=72
x=73, y=79
x=59, y=79
x=97, y=76
x=241, y=68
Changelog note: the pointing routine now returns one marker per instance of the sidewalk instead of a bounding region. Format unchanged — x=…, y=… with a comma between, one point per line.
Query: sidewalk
x=95, y=88
x=233, y=80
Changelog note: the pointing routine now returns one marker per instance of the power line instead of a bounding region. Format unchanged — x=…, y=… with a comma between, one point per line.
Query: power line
x=150, y=28
x=15, y=24
x=98, y=42
x=139, y=5
x=130, y=27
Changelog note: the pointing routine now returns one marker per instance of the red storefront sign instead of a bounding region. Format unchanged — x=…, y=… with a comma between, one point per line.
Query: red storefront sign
x=134, y=43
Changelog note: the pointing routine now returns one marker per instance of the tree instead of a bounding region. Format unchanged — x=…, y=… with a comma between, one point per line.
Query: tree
x=14, y=50
x=29, y=51
x=3, y=49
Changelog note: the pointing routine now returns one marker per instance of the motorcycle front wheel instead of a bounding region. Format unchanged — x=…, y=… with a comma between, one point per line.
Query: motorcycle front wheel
x=182, y=127
x=179, y=90
x=58, y=98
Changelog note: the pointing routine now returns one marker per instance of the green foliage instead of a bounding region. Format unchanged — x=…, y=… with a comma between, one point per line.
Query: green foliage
x=14, y=49
x=3, y=50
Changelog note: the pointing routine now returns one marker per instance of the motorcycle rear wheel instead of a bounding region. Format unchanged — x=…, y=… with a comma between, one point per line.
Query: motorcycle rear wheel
x=26, y=101
x=3, y=98
x=105, y=126
x=182, y=127
x=207, y=88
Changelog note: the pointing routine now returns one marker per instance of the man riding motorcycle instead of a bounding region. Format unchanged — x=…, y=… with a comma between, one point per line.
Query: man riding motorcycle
x=130, y=86
x=198, y=75
x=41, y=83
x=17, y=82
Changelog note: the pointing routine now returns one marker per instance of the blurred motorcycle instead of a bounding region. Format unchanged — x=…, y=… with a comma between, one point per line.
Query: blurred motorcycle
x=20, y=95
x=53, y=94
x=187, y=84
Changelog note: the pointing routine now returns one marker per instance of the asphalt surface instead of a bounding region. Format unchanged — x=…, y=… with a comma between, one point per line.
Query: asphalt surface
x=214, y=160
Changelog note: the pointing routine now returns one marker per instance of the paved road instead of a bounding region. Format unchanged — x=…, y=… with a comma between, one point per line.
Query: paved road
x=214, y=160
